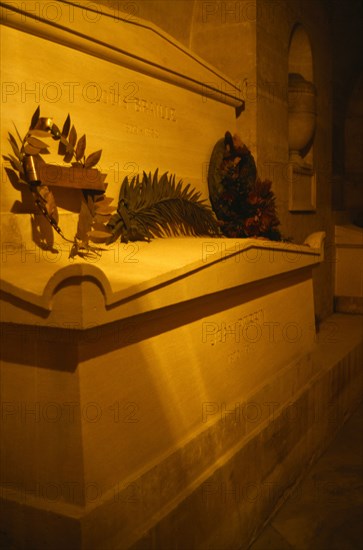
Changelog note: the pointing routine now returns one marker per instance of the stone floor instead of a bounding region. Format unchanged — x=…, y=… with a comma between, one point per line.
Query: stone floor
x=326, y=511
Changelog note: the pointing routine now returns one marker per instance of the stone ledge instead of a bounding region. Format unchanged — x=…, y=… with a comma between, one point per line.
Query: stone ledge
x=158, y=274
x=349, y=235
x=349, y=304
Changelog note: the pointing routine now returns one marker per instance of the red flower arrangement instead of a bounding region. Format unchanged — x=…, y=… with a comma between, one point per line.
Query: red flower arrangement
x=244, y=204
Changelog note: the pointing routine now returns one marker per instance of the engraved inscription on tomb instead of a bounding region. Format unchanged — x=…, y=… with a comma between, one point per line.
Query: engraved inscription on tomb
x=245, y=329
x=139, y=131
x=128, y=96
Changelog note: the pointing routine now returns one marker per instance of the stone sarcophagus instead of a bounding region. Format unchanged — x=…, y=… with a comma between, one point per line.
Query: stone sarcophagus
x=134, y=384
x=127, y=385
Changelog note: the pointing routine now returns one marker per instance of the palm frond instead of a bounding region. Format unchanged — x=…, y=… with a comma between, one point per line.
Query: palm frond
x=157, y=207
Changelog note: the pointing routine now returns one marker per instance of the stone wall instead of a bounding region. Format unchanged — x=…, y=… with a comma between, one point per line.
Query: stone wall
x=273, y=36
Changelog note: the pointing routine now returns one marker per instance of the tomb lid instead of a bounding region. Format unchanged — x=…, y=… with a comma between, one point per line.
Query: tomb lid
x=123, y=40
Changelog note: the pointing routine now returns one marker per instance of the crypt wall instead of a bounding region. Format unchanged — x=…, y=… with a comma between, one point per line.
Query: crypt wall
x=353, y=165
x=273, y=42
x=347, y=86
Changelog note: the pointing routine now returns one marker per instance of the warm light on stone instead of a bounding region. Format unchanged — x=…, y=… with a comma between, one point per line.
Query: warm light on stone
x=154, y=394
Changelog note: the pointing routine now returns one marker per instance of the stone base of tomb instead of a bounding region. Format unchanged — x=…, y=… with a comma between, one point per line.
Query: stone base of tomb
x=236, y=499
x=214, y=490
x=174, y=400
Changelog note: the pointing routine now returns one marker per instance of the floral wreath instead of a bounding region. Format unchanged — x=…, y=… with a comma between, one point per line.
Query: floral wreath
x=243, y=203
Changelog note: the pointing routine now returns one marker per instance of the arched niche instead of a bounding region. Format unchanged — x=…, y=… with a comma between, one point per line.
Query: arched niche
x=300, y=56
x=301, y=121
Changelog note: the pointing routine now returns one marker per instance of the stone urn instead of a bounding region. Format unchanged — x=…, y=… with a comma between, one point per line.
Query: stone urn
x=302, y=116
